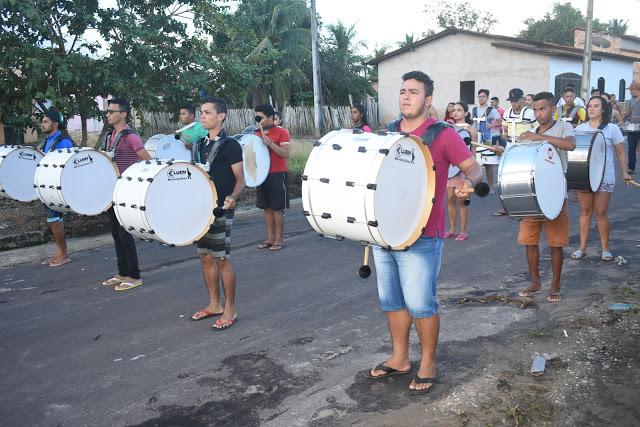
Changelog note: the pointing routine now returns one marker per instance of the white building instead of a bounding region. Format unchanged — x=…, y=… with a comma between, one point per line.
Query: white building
x=462, y=62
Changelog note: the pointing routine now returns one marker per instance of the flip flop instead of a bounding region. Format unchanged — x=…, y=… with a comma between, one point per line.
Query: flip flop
x=204, y=314
x=276, y=247
x=607, y=256
x=59, y=263
x=46, y=261
x=388, y=371
x=554, y=297
x=113, y=281
x=264, y=245
x=125, y=286
x=462, y=237
x=419, y=380
x=500, y=213
x=222, y=324
x=578, y=254
x=528, y=293
x=448, y=235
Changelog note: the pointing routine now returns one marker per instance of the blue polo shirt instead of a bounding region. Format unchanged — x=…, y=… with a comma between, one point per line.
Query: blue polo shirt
x=64, y=143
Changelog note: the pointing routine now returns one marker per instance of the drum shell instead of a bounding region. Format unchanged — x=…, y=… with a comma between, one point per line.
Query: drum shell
x=151, y=205
x=522, y=186
x=167, y=147
x=18, y=165
x=79, y=180
x=349, y=192
x=586, y=163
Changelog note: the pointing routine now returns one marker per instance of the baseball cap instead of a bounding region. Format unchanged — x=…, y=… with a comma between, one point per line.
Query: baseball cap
x=515, y=94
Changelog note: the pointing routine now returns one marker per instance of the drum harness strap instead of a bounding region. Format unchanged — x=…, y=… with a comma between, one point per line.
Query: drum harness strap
x=428, y=136
x=55, y=142
x=217, y=143
x=119, y=136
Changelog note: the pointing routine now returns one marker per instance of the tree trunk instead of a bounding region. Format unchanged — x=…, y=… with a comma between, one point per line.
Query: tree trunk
x=83, y=121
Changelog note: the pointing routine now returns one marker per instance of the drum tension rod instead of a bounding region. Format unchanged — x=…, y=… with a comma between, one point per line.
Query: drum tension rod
x=325, y=215
x=351, y=219
x=337, y=147
x=316, y=143
x=362, y=149
x=383, y=151
x=324, y=180
x=372, y=223
x=304, y=177
x=372, y=186
x=305, y=213
x=129, y=178
x=350, y=184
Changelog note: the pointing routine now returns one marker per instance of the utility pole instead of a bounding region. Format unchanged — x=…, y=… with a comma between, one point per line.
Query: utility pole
x=586, y=58
x=315, y=59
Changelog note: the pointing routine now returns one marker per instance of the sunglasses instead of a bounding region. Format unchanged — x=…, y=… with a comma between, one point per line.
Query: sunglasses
x=114, y=111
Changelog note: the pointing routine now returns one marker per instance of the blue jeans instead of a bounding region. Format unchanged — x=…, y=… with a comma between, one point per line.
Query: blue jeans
x=632, y=141
x=407, y=279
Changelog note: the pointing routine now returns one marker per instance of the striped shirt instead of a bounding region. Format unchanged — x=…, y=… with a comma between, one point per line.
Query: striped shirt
x=126, y=151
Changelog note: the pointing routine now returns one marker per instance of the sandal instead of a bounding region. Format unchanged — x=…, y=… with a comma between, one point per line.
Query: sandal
x=59, y=263
x=113, y=281
x=276, y=247
x=448, y=235
x=204, y=314
x=125, y=286
x=462, y=237
x=265, y=245
x=554, y=297
x=417, y=380
x=578, y=254
x=388, y=371
x=528, y=293
x=222, y=324
x=607, y=256
x=501, y=212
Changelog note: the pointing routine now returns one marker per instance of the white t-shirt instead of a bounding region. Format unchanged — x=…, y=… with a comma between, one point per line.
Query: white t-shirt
x=612, y=136
x=560, y=129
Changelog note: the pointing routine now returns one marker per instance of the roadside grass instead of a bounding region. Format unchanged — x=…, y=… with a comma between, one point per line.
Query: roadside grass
x=298, y=154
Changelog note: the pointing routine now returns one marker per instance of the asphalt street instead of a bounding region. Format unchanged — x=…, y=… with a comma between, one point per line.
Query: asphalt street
x=75, y=353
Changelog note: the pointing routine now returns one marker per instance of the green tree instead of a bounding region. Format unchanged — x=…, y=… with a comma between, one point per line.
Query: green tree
x=458, y=14
x=409, y=39
x=617, y=27
x=343, y=67
x=557, y=26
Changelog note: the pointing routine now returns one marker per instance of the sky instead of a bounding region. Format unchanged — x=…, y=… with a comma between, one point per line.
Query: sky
x=387, y=22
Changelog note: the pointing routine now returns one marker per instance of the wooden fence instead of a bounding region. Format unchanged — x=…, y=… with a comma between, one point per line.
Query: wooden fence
x=298, y=121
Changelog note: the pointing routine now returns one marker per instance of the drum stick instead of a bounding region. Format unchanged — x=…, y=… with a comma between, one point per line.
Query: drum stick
x=365, y=270
x=477, y=144
x=632, y=182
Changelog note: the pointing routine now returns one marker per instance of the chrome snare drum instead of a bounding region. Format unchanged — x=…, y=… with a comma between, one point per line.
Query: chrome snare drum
x=585, y=166
x=531, y=181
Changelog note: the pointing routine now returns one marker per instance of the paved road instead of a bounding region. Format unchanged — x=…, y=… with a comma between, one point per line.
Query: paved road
x=75, y=353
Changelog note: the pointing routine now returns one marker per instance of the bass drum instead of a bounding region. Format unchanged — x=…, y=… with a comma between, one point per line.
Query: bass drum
x=531, y=181
x=63, y=177
x=366, y=187
x=17, y=168
x=171, y=202
x=585, y=166
x=256, y=159
x=167, y=147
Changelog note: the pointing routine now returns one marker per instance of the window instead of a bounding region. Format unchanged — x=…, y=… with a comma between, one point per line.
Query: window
x=468, y=92
x=601, y=84
x=622, y=87
x=567, y=79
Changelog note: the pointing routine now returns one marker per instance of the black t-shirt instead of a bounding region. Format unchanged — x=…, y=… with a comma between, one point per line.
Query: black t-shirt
x=229, y=153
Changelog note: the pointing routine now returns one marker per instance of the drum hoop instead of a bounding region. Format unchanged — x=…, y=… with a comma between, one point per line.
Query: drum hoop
x=431, y=191
x=215, y=202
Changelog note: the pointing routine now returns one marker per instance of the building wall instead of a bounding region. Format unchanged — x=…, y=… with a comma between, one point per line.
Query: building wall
x=461, y=57
x=611, y=69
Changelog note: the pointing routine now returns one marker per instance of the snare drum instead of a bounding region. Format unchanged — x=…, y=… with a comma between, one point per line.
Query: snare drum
x=79, y=180
x=374, y=188
x=517, y=128
x=464, y=134
x=531, y=181
x=17, y=168
x=256, y=159
x=171, y=202
x=167, y=147
x=585, y=166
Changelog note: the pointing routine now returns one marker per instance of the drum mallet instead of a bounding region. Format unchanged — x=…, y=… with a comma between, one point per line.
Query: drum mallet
x=481, y=189
x=178, y=133
x=365, y=271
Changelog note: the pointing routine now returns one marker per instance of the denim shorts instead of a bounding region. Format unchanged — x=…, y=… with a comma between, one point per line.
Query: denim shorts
x=53, y=216
x=407, y=279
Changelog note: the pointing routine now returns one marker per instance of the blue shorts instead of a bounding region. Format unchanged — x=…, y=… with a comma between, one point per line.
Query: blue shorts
x=53, y=216
x=407, y=279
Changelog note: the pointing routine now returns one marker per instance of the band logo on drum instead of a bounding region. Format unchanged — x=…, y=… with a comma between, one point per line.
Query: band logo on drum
x=549, y=158
x=24, y=155
x=166, y=146
x=178, y=174
x=405, y=155
x=82, y=161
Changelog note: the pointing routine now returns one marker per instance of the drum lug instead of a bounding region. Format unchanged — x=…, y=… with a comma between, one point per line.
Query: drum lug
x=362, y=149
x=382, y=133
x=140, y=179
x=54, y=165
x=158, y=162
x=324, y=180
x=350, y=184
x=325, y=215
x=58, y=187
x=143, y=208
x=133, y=206
x=131, y=228
x=337, y=147
x=122, y=204
x=147, y=162
x=304, y=177
x=61, y=166
x=41, y=185
x=51, y=204
x=129, y=178
x=51, y=187
x=357, y=131
x=66, y=206
x=305, y=213
x=317, y=143
x=351, y=219
x=38, y=165
x=150, y=179
x=35, y=186
x=371, y=186
x=170, y=162
x=151, y=232
x=434, y=168
x=142, y=230
x=339, y=238
x=383, y=151
x=46, y=165
x=372, y=223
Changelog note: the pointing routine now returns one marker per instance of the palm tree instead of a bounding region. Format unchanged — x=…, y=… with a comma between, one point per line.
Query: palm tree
x=409, y=39
x=617, y=27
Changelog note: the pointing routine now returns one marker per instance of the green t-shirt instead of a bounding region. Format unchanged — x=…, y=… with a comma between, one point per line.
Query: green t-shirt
x=194, y=133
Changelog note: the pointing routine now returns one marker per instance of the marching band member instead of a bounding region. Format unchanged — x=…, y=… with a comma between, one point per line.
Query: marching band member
x=190, y=135
x=359, y=118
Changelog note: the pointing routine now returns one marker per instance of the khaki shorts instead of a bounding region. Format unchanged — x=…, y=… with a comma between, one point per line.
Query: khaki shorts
x=557, y=230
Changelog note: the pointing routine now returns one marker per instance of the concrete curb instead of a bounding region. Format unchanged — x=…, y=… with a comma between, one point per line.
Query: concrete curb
x=39, y=252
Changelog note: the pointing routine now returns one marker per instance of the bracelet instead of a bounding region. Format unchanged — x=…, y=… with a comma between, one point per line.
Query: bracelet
x=471, y=181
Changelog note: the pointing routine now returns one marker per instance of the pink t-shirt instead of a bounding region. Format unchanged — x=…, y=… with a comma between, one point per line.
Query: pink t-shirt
x=447, y=149
x=126, y=152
